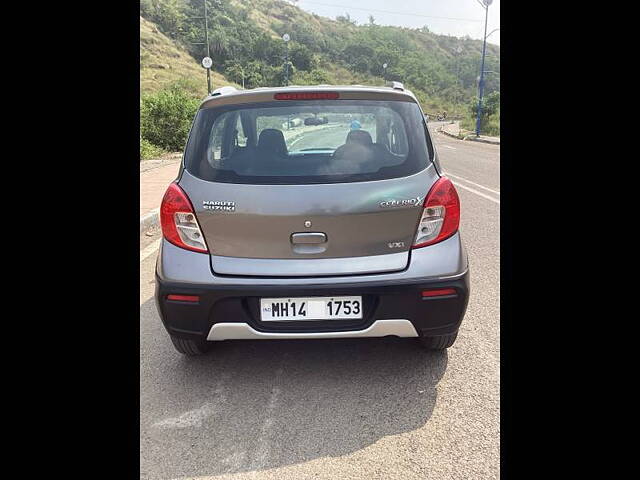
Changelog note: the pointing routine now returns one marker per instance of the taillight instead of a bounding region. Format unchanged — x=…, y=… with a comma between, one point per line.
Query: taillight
x=178, y=220
x=440, y=215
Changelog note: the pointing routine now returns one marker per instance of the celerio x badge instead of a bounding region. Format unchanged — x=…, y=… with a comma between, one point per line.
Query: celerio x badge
x=401, y=203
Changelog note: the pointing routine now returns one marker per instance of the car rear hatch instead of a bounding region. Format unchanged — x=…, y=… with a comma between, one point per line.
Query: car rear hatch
x=278, y=197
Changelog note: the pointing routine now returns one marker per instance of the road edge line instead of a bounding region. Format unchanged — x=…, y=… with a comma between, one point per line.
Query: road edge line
x=497, y=192
x=484, y=195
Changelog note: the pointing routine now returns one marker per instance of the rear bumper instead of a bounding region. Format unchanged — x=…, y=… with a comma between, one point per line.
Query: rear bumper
x=232, y=311
x=390, y=296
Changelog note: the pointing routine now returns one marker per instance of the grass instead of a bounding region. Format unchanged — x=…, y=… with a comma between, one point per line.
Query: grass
x=163, y=63
x=490, y=128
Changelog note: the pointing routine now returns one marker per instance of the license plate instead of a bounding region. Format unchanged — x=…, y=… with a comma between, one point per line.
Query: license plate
x=310, y=308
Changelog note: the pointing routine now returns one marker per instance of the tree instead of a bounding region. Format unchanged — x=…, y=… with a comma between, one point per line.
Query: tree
x=490, y=105
x=360, y=56
x=234, y=71
x=346, y=18
x=314, y=77
x=251, y=70
x=168, y=15
x=302, y=57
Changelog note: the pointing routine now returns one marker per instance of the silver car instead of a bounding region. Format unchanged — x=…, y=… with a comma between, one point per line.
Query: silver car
x=283, y=227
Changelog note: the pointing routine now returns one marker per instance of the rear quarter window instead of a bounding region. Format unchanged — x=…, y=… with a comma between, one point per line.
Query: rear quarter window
x=298, y=142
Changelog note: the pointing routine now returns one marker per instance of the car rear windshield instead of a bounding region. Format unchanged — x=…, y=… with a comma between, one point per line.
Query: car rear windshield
x=297, y=142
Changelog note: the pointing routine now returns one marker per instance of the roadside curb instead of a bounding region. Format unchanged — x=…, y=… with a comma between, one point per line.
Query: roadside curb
x=153, y=163
x=151, y=219
x=469, y=138
x=473, y=138
x=448, y=134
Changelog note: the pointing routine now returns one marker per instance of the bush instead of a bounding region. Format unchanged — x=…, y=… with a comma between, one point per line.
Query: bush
x=166, y=116
x=490, y=122
x=490, y=106
x=149, y=150
x=314, y=77
x=489, y=127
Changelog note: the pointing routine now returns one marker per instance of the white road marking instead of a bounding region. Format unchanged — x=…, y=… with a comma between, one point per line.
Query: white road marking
x=296, y=140
x=497, y=192
x=149, y=250
x=192, y=418
x=447, y=146
x=264, y=438
x=476, y=192
x=198, y=416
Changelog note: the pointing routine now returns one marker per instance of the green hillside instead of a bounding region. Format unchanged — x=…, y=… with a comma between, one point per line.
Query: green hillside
x=245, y=37
x=163, y=63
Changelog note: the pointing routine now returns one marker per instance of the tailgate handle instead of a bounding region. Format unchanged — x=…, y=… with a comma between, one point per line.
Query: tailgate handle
x=308, y=237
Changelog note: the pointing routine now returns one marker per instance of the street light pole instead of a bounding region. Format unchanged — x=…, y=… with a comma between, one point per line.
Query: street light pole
x=286, y=39
x=484, y=48
x=206, y=33
x=458, y=80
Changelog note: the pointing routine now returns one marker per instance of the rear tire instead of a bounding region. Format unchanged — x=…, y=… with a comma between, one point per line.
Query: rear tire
x=190, y=347
x=438, y=343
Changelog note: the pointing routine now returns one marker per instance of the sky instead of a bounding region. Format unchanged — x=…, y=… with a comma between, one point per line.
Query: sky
x=463, y=17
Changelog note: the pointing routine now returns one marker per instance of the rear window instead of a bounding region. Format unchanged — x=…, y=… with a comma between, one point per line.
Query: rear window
x=297, y=142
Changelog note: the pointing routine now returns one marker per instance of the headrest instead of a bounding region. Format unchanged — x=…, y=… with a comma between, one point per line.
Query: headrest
x=272, y=141
x=361, y=137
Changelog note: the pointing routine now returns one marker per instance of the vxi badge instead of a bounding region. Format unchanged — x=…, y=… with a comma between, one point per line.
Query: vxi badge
x=219, y=205
x=401, y=203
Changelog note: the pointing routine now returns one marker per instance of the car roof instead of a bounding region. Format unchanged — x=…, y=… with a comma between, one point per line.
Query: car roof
x=230, y=95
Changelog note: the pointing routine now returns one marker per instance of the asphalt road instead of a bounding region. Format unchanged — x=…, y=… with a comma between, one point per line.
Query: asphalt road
x=323, y=137
x=329, y=409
